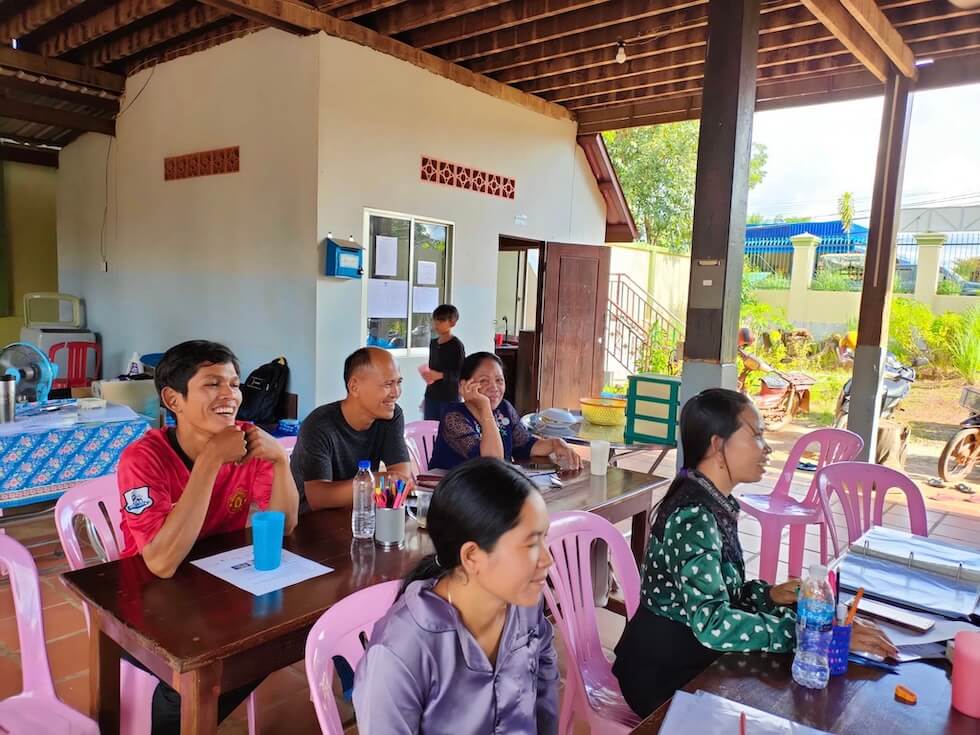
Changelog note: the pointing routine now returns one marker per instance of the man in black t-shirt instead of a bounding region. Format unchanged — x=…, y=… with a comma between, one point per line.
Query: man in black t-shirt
x=446, y=355
x=368, y=424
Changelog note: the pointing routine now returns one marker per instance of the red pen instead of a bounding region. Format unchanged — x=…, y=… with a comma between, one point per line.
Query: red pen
x=741, y=724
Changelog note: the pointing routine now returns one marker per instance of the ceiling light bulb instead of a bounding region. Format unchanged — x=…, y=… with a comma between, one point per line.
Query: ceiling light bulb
x=621, y=53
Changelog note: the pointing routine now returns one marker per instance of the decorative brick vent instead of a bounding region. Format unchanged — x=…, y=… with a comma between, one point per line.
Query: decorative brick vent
x=464, y=177
x=204, y=163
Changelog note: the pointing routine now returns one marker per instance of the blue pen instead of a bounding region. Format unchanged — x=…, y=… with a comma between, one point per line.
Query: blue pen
x=871, y=663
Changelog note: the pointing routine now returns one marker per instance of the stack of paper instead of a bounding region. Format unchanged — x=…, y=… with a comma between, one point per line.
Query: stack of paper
x=708, y=713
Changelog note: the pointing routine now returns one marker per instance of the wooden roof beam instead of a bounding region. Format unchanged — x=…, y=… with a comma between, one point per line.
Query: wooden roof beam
x=874, y=22
x=165, y=30
x=286, y=15
x=33, y=156
x=106, y=21
x=577, y=23
x=34, y=17
x=57, y=69
x=511, y=14
x=347, y=9
x=17, y=110
x=58, y=93
x=358, y=34
x=843, y=25
x=409, y=16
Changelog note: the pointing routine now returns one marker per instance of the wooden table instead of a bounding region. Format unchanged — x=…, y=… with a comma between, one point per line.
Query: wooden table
x=204, y=636
x=862, y=701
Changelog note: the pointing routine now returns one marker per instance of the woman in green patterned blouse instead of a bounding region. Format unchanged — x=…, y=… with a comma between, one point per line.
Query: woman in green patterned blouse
x=695, y=602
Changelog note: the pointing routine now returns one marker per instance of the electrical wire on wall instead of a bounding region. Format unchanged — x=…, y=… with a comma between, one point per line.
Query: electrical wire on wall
x=103, y=250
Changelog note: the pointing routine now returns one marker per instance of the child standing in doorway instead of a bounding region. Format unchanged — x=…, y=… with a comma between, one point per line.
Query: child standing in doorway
x=446, y=354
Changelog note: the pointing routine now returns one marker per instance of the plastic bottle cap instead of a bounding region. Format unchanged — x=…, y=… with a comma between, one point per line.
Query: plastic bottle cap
x=818, y=571
x=364, y=464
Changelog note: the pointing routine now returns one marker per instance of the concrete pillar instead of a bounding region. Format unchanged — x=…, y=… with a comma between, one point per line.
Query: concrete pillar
x=927, y=271
x=804, y=258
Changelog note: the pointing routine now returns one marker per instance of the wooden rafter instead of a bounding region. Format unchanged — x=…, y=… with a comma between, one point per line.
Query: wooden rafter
x=874, y=22
x=33, y=156
x=347, y=9
x=17, y=110
x=34, y=17
x=286, y=15
x=408, y=16
x=843, y=25
x=57, y=69
x=194, y=42
x=55, y=92
x=385, y=44
x=578, y=23
x=498, y=18
x=101, y=24
x=165, y=30
x=779, y=27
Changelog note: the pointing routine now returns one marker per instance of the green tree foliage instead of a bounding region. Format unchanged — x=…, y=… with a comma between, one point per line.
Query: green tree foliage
x=845, y=208
x=656, y=167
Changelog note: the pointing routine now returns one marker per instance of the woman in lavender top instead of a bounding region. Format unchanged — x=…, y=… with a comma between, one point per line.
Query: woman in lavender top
x=466, y=647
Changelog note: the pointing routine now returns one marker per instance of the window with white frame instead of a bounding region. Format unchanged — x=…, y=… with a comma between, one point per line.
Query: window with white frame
x=409, y=266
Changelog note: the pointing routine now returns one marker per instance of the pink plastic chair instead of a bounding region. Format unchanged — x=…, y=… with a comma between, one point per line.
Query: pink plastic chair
x=780, y=509
x=37, y=709
x=420, y=436
x=288, y=443
x=339, y=632
x=591, y=692
x=97, y=501
x=861, y=489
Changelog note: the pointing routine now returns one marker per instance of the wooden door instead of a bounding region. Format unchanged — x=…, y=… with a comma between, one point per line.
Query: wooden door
x=572, y=307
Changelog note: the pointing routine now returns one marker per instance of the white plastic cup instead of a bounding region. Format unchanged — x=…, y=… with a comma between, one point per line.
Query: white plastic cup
x=598, y=456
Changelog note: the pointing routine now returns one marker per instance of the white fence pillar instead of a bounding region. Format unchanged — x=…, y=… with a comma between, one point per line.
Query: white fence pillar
x=930, y=245
x=804, y=258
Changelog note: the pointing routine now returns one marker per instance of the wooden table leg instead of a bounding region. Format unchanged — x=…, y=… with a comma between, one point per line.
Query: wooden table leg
x=104, y=658
x=199, y=690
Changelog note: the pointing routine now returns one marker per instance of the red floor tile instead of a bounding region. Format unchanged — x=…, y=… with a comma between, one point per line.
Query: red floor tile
x=10, y=676
x=68, y=655
x=73, y=691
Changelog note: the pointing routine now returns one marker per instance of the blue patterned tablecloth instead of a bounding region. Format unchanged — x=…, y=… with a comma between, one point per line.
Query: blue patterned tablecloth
x=40, y=466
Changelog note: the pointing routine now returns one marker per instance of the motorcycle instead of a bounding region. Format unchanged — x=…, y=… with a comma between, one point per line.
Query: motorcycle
x=896, y=385
x=962, y=451
x=781, y=395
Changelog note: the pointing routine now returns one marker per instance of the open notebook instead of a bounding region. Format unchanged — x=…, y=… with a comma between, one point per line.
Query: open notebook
x=914, y=572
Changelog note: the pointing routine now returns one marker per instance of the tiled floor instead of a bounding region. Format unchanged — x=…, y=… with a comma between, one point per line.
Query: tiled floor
x=284, y=698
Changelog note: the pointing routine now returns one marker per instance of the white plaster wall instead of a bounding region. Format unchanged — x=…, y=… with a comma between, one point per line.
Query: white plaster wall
x=228, y=257
x=378, y=116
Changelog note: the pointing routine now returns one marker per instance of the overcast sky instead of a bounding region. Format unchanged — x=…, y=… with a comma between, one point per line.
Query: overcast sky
x=815, y=153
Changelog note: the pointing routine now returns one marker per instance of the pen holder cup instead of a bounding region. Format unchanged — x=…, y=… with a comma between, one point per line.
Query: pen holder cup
x=840, y=645
x=389, y=527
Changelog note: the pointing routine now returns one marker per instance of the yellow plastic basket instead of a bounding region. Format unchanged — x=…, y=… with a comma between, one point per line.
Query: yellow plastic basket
x=604, y=411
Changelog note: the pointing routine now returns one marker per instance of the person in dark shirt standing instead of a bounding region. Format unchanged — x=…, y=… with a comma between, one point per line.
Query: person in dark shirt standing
x=446, y=354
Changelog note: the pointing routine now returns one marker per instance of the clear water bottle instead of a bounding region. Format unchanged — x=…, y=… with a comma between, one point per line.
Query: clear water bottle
x=362, y=517
x=814, y=628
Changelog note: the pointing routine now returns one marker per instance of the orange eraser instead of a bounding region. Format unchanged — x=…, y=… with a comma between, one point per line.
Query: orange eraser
x=905, y=695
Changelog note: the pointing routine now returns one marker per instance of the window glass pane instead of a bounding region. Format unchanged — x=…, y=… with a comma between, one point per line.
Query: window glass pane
x=431, y=264
x=388, y=281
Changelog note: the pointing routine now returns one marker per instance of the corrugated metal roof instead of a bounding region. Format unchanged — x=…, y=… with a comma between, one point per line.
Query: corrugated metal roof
x=829, y=232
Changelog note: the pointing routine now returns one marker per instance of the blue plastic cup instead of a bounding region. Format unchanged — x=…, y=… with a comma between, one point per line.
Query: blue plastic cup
x=840, y=646
x=267, y=532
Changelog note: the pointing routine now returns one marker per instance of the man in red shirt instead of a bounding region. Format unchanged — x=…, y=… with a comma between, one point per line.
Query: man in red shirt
x=200, y=478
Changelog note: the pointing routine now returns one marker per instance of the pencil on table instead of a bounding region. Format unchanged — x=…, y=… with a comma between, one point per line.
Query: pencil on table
x=854, y=606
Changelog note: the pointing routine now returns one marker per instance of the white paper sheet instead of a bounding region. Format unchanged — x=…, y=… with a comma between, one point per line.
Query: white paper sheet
x=68, y=417
x=427, y=273
x=387, y=299
x=236, y=567
x=708, y=713
x=385, y=255
x=425, y=299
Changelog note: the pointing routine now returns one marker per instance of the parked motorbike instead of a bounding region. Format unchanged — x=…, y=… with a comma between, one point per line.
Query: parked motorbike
x=896, y=385
x=960, y=454
x=781, y=395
